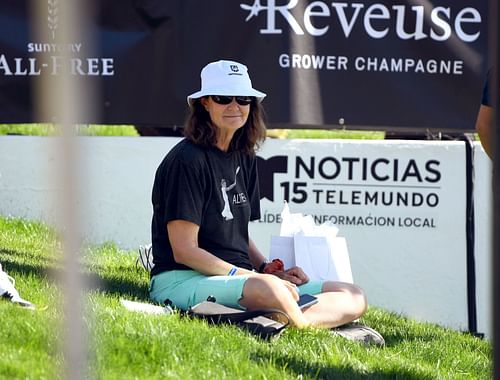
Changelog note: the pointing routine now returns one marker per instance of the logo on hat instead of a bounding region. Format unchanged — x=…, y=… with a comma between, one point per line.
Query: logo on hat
x=235, y=70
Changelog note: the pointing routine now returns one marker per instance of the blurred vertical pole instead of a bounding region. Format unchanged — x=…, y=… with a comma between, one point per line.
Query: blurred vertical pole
x=63, y=95
x=495, y=54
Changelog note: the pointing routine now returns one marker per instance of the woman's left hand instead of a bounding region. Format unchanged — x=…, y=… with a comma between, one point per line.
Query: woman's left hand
x=295, y=275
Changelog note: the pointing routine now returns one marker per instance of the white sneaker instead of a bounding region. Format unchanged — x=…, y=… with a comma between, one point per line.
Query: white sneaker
x=8, y=290
x=145, y=257
x=357, y=332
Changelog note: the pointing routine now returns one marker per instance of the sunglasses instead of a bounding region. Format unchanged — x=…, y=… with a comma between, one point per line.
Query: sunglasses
x=223, y=99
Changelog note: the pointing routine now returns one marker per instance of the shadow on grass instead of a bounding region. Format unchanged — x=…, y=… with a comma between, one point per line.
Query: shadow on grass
x=302, y=368
x=25, y=256
x=108, y=285
x=399, y=335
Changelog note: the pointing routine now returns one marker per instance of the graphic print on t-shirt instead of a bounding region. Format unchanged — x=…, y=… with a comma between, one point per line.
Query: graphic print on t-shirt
x=226, y=211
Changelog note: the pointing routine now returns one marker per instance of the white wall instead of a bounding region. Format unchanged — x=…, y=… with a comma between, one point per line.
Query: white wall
x=414, y=270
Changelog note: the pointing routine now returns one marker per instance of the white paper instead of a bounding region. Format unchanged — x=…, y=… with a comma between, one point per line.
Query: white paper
x=323, y=258
x=145, y=307
x=290, y=223
x=340, y=254
x=282, y=248
x=312, y=254
x=315, y=249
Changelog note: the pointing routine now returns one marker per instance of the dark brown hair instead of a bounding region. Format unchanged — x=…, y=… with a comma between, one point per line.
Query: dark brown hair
x=200, y=130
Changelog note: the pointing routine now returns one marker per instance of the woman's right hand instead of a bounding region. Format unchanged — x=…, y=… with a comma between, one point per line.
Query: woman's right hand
x=295, y=276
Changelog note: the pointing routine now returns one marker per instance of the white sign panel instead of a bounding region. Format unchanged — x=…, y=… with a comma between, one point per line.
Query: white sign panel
x=399, y=204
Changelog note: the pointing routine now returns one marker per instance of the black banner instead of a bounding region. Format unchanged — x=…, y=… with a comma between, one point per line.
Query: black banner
x=359, y=64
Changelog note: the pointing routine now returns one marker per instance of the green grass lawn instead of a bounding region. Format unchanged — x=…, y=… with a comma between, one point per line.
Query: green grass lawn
x=325, y=134
x=84, y=130
x=127, y=345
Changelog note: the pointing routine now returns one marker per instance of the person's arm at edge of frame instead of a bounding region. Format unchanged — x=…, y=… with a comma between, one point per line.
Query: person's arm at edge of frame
x=184, y=241
x=484, y=124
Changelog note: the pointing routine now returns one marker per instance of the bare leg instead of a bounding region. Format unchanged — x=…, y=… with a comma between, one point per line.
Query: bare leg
x=270, y=292
x=339, y=303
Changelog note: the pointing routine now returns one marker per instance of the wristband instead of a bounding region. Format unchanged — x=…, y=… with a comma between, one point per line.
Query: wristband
x=262, y=266
x=232, y=271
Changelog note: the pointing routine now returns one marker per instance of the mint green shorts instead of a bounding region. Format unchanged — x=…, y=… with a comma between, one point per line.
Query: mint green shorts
x=186, y=288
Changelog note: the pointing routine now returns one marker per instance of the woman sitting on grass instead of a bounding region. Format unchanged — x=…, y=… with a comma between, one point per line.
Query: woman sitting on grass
x=204, y=195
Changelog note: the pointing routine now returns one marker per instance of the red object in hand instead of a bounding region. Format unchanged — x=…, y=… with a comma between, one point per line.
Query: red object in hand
x=274, y=266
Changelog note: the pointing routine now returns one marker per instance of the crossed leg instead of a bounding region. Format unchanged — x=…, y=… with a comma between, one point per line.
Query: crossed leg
x=339, y=302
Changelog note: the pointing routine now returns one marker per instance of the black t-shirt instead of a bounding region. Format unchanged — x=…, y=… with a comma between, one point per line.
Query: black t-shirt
x=217, y=191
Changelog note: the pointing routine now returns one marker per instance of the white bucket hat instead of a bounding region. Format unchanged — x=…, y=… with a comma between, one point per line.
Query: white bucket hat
x=225, y=78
